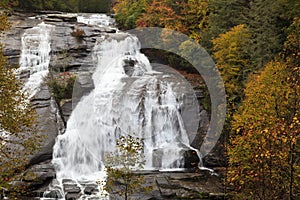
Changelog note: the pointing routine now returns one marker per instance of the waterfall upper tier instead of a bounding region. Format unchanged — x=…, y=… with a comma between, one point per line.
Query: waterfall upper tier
x=35, y=56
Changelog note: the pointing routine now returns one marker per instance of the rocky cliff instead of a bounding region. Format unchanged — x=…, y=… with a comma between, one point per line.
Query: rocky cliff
x=72, y=53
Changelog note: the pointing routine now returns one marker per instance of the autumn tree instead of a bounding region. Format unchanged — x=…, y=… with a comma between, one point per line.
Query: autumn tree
x=194, y=17
x=18, y=132
x=129, y=11
x=232, y=60
x=160, y=14
x=264, y=151
x=120, y=166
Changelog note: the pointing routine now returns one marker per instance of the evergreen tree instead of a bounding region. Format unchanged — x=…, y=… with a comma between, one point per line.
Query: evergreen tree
x=223, y=15
x=268, y=21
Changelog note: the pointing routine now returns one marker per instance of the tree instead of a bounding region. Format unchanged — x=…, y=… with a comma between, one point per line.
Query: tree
x=264, y=151
x=222, y=16
x=18, y=132
x=268, y=21
x=160, y=14
x=232, y=58
x=92, y=5
x=129, y=11
x=194, y=13
x=121, y=164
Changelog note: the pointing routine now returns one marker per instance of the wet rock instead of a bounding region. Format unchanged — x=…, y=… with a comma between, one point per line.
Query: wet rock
x=167, y=192
x=50, y=124
x=216, y=158
x=68, y=54
x=181, y=185
x=191, y=159
x=36, y=178
x=72, y=196
x=66, y=109
x=89, y=190
x=53, y=194
x=71, y=189
x=217, y=196
x=162, y=181
x=129, y=66
x=53, y=20
x=62, y=17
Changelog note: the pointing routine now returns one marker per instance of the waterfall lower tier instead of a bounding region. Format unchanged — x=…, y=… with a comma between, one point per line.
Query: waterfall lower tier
x=129, y=98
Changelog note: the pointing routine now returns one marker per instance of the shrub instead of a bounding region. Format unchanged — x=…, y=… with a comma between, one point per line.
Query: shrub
x=78, y=33
x=61, y=86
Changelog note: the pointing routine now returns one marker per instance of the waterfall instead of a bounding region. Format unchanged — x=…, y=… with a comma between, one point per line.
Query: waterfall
x=129, y=98
x=96, y=19
x=35, y=56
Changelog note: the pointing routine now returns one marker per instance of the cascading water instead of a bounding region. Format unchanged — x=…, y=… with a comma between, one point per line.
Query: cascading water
x=129, y=98
x=35, y=56
x=96, y=19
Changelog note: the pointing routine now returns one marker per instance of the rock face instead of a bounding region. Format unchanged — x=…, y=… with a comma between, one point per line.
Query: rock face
x=179, y=185
x=73, y=54
x=67, y=54
x=50, y=124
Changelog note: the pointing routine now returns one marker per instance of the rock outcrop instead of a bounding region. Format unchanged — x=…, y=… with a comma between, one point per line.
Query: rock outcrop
x=73, y=54
x=50, y=124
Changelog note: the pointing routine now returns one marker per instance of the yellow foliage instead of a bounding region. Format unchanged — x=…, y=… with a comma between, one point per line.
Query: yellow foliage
x=266, y=135
x=18, y=132
x=231, y=57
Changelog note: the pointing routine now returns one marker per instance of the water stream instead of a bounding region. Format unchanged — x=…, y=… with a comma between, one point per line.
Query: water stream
x=35, y=56
x=129, y=98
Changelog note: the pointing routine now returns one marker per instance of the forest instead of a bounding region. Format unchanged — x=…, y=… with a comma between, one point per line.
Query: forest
x=256, y=47
x=101, y=6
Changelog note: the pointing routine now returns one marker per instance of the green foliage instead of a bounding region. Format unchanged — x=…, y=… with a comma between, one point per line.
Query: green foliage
x=61, y=85
x=120, y=166
x=222, y=16
x=18, y=132
x=102, y=6
x=8, y=4
x=269, y=20
x=195, y=14
x=66, y=5
x=129, y=11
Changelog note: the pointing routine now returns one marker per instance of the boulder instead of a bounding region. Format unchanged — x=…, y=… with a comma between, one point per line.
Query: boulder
x=53, y=194
x=62, y=17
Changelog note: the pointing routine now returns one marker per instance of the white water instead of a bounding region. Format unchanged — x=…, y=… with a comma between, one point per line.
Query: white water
x=141, y=104
x=96, y=19
x=128, y=98
x=35, y=56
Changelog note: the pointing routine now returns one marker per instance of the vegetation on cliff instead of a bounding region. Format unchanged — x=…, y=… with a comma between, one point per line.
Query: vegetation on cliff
x=19, y=136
